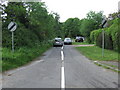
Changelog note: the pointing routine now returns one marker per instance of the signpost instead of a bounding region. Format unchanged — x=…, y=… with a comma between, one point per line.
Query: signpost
x=104, y=24
x=12, y=27
x=103, y=43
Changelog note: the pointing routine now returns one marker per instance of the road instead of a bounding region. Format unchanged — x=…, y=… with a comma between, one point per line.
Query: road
x=61, y=68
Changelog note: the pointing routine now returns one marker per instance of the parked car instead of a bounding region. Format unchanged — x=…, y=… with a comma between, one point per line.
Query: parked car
x=67, y=41
x=57, y=42
x=79, y=39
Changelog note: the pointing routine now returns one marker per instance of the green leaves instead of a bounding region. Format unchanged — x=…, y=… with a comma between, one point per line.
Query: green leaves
x=75, y=27
x=92, y=22
x=112, y=34
x=35, y=24
x=72, y=27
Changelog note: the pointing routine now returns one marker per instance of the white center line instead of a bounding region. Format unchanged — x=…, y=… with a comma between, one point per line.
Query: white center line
x=62, y=47
x=62, y=78
x=62, y=71
x=62, y=55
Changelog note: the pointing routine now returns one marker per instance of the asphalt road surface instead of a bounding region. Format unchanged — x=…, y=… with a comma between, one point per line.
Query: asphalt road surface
x=61, y=68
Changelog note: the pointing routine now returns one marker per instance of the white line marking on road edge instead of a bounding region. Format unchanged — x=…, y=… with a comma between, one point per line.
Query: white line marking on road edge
x=62, y=55
x=62, y=78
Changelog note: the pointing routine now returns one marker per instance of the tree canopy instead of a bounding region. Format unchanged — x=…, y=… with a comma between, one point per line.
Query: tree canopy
x=35, y=23
x=72, y=27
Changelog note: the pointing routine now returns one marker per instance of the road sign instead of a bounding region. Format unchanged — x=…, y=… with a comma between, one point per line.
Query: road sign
x=104, y=23
x=12, y=26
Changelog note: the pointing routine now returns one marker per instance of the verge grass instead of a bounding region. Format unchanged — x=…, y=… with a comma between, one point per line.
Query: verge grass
x=81, y=43
x=95, y=53
x=21, y=56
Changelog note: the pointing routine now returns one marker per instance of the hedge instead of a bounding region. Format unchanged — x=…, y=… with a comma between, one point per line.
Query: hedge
x=112, y=35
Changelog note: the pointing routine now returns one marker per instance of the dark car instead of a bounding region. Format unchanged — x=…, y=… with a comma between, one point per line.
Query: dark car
x=67, y=41
x=57, y=42
x=79, y=39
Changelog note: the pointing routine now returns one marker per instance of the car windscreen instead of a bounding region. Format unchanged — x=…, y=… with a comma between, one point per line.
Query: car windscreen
x=67, y=39
x=58, y=40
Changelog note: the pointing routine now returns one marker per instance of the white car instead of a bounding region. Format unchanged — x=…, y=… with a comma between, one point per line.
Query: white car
x=67, y=41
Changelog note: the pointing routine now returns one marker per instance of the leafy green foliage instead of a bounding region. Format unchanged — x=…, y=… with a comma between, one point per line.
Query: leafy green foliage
x=113, y=30
x=35, y=24
x=94, y=35
x=111, y=36
x=108, y=43
x=35, y=30
x=96, y=17
x=21, y=56
x=86, y=27
x=90, y=23
x=72, y=27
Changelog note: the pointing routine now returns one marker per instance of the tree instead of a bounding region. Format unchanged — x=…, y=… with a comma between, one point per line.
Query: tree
x=92, y=22
x=72, y=27
x=35, y=24
x=58, y=27
x=97, y=18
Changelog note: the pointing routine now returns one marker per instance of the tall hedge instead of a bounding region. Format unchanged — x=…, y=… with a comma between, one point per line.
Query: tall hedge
x=113, y=30
x=112, y=35
x=108, y=43
x=94, y=35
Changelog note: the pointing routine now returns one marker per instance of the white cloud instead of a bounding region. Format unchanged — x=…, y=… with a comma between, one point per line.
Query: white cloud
x=79, y=8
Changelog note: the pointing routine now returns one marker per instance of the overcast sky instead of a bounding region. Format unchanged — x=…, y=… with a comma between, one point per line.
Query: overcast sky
x=79, y=8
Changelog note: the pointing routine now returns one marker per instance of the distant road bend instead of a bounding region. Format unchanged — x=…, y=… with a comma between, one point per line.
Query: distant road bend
x=61, y=67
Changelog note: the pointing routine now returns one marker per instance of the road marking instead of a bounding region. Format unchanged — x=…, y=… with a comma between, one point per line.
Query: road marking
x=62, y=78
x=62, y=55
x=62, y=47
x=62, y=71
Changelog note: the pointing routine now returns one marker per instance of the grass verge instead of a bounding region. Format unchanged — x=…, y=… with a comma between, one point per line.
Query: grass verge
x=107, y=67
x=21, y=56
x=81, y=43
x=95, y=53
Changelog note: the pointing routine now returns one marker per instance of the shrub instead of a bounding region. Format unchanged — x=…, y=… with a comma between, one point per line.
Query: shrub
x=99, y=40
x=112, y=36
x=108, y=41
x=113, y=30
x=94, y=35
x=21, y=56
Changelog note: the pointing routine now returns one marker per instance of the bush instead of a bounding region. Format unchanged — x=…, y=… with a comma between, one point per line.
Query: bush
x=108, y=41
x=112, y=35
x=21, y=56
x=22, y=37
x=94, y=35
x=99, y=40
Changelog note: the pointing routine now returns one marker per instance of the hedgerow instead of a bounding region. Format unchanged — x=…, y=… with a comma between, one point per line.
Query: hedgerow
x=111, y=33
